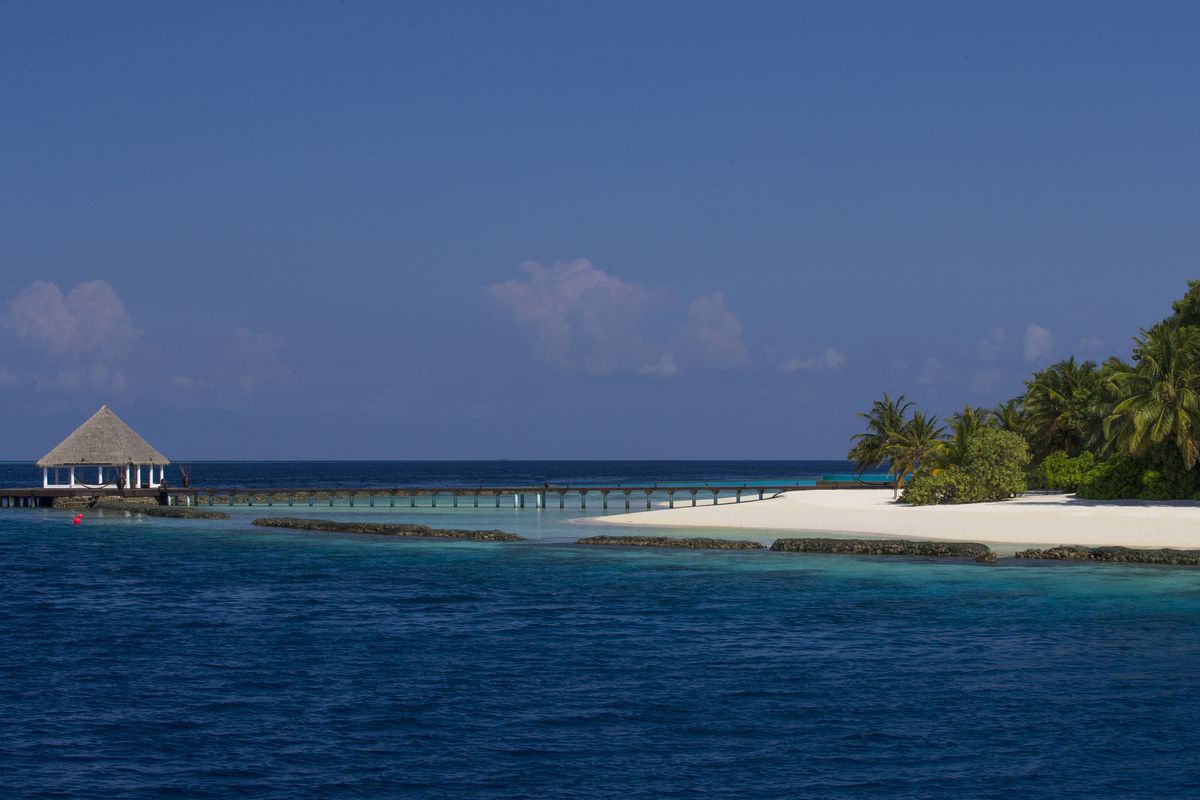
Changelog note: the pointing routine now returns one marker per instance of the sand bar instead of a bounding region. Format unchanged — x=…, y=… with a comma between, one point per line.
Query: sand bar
x=1029, y=520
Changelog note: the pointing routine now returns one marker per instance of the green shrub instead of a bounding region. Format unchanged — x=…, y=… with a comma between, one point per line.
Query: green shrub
x=1063, y=472
x=1120, y=478
x=1155, y=486
x=993, y=468
x=1158, y=475
x=1035, y=479
x=1177, y=481
x=948, y=486
x=996, y=462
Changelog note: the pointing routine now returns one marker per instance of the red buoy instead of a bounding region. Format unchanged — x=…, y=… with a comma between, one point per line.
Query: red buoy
x=78, y=518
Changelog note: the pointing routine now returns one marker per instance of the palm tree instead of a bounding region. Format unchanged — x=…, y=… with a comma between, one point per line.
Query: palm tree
x=884, y=421
x=1113, y=432
x=964, y=425
x=918, y=441
x=1161, y=393
x=1009, y=416
x=1060, y=406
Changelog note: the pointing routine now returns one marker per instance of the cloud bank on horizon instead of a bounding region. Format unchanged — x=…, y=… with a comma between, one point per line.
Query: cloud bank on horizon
x=85, y=341
x=576, y=318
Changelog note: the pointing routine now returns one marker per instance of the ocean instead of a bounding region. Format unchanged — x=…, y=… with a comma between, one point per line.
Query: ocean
x=146, y=658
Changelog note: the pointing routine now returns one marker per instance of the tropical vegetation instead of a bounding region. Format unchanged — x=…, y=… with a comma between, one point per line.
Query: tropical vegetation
x=1117, y=429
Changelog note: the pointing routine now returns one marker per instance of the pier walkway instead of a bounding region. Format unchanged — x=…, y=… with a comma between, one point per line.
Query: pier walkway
x=519, y=496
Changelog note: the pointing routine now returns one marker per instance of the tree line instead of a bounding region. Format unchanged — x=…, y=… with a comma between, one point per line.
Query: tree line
x=1115, y=429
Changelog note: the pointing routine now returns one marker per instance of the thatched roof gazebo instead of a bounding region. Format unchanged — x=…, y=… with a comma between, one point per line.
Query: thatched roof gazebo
x=103, y=447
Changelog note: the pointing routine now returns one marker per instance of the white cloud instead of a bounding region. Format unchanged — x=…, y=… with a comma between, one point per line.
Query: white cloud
x=88, y=319
x=580, y=316
x=994, y=343
x=583, y=318
x=81, y=338
x=665, y=366
x=233, y=365
x=932, y=371
x=241, y=361
x=832, y=358
x=86, y=341
x=1090, y=343
x=711, y=336
x=1038, y=342
x=986, y=381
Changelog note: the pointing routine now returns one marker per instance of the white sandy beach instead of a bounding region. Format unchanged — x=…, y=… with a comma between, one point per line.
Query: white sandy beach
x=1029, y=520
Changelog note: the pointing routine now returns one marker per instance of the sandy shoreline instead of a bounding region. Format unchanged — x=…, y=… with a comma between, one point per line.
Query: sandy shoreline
x=1030, y=520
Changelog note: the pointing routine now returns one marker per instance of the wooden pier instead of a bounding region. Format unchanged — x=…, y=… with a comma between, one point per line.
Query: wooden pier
x=538, y=497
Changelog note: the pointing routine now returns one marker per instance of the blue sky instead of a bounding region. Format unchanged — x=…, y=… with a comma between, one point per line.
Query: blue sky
x=556, y=230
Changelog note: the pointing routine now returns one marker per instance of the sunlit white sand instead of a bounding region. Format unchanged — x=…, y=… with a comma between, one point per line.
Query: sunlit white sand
x=1033, y=519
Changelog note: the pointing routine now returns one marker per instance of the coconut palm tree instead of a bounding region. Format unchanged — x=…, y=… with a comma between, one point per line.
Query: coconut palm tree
x=1112, y=392
x=963, y=425
x=1009, y=416
x=1161, y=393
x=919, y=441
x=884, y=421
x=1061, y=408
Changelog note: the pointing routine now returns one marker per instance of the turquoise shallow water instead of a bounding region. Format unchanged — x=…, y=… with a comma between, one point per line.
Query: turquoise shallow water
x=165, y=658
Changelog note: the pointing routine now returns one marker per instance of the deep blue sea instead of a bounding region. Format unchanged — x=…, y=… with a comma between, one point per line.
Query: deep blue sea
x=146, y=658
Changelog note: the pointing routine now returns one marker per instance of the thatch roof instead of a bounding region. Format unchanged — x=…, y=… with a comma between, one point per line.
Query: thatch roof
x=103, y=439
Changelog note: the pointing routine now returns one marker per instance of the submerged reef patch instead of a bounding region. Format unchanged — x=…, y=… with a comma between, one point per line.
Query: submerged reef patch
x=1120, y=555
x=887, y=547
x=385, y=529
x=698, y=543
x=175, y=512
